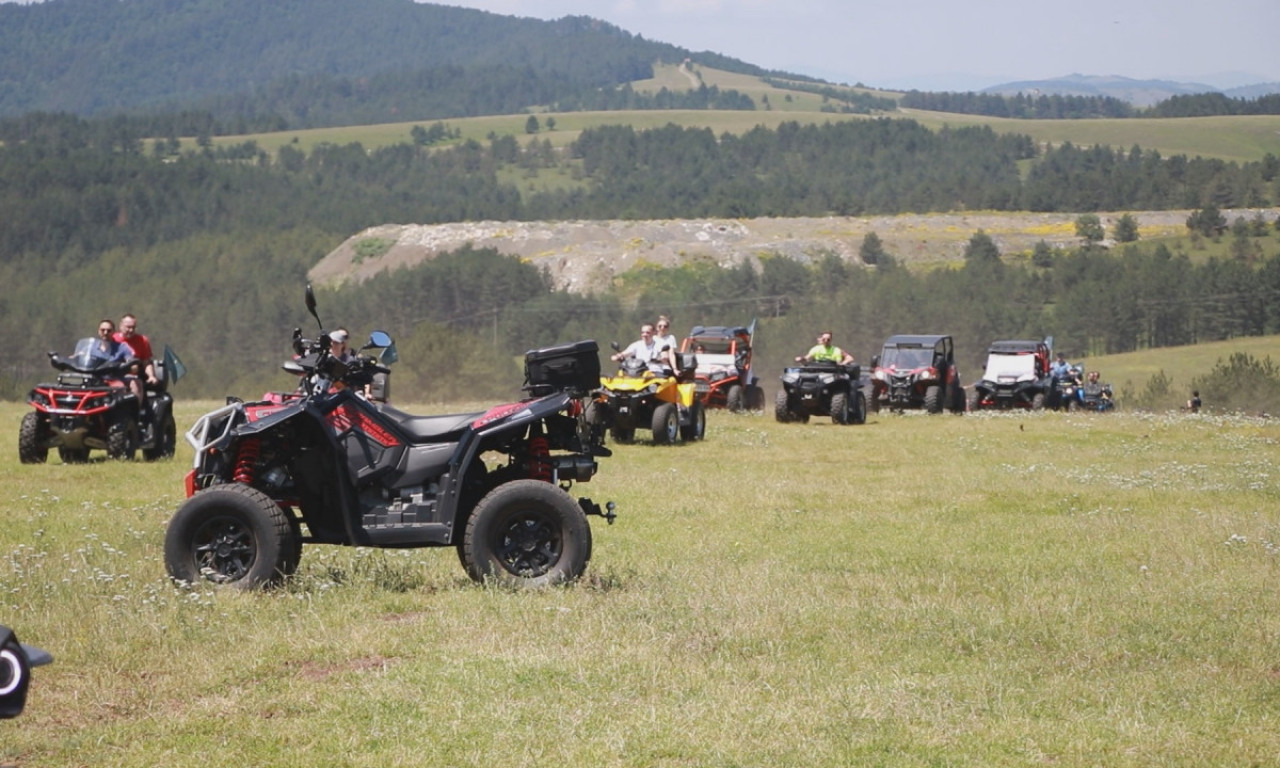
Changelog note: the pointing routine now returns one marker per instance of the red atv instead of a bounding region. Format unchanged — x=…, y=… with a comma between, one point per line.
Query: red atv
x=89, y=408
x=330, y=465
x=724, y=376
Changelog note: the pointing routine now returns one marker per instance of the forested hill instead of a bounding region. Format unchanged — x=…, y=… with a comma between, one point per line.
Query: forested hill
x=304, y=63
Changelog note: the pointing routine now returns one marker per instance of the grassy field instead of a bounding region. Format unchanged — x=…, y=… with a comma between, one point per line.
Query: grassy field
x=985, y=590
x=1238, y=139
x=1130, y=372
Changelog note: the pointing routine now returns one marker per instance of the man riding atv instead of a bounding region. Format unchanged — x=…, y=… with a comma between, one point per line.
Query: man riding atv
x=827, y=383
x=653, y=390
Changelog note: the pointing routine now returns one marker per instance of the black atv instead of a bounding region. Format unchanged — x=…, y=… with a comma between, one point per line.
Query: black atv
x=821, y=389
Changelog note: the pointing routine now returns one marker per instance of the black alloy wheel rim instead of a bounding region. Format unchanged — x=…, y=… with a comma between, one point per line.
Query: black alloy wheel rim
x=224, y=549
x=528, y=544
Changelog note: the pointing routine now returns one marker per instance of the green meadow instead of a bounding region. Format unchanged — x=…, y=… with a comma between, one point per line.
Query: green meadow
x=979, y=590
x=1236, y=139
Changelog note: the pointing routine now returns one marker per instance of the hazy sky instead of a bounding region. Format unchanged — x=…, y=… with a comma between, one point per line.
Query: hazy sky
x=950, y=44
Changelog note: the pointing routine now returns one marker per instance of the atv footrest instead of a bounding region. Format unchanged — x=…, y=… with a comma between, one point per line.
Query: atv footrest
x=407, y=534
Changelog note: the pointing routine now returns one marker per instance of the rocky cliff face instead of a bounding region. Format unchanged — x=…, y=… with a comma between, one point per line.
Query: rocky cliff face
x=583, y=256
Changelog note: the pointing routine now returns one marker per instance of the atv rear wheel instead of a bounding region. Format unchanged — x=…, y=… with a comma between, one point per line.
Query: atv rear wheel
x=231, y=534
x=526, y=533
x=781, y=407
x=933, y=399
x=666, y=424
x=736, y=399
x=974, y=399
x=31, y=437
x=696, y=429
x=840, y=408
x=858, y=414
x=1037, y=401
x=166, y=441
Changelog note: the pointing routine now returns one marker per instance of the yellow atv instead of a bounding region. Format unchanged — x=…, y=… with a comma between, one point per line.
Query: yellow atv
x=637, y=398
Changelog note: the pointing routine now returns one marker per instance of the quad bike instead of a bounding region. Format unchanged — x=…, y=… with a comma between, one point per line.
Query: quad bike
x=917, y=372
x=328, y=465
x=724, y=377
x=88, y=407
x=16, y=662
x=1067, y=388
x=637, y=398
x=821, y=389
x=1092, y=396
x=1016, y=376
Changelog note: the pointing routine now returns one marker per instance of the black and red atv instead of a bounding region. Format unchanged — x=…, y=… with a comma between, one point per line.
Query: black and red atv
x=329, y=465
x=89, y=408
x=724, y=376
x=916, y=372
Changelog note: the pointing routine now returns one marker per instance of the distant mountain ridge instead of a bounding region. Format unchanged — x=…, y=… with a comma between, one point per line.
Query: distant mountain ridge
x=93, y=57
x=1141, y=93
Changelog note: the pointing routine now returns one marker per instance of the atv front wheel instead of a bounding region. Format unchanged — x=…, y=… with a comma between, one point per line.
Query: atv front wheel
x=736, y=399
x=933, y=399
x=840, y=408
x=526, y=533
x=120, y=442
x=666, y=424
x=31, y=445
x=696, y=429
x=230, y=534
x=1037, y=401
x=781, y=407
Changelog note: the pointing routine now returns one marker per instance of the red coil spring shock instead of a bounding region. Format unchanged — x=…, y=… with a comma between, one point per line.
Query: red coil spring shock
x=540, y=459
x=247, y=460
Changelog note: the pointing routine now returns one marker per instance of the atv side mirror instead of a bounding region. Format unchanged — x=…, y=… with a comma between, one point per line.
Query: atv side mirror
x=875, y=361
x=379, y=339
x=615, y=346
x=311, y=305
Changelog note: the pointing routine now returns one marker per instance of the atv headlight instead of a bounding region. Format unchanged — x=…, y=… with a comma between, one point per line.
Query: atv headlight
x=790, y=377
x=827, y=378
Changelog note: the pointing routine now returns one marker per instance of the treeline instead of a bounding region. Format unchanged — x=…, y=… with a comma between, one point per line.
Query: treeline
x=1021, y=105
x=464, y=319
x=211, y=253
x=1062, y=107
x=71, y=189
x=1208, y=104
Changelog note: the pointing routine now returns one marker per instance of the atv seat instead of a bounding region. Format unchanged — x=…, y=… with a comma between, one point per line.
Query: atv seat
x=430, y=428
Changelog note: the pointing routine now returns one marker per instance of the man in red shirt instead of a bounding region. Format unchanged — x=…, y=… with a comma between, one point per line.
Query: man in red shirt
x=141, y=346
